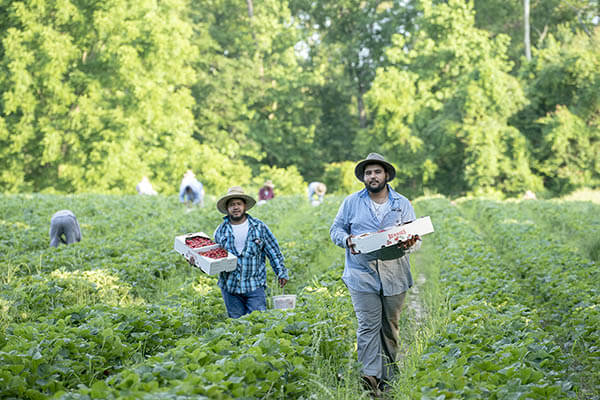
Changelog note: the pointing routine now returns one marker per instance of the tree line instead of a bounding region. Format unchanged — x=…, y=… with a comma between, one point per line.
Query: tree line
x=484, y=96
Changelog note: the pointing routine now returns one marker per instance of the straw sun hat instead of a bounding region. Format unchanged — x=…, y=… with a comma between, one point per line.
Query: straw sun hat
x=374, y=158
x=320, y=189
x=235, y=192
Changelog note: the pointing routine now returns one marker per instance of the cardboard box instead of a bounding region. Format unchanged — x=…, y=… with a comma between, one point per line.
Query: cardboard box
x=368, y=242
x=180, y=241
x=209, y=265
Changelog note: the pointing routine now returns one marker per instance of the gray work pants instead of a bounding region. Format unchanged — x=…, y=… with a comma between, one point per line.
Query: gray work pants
x=64, y=223
x=377, y=333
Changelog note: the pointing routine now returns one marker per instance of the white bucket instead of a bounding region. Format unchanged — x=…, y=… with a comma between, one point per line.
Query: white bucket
x=284, y=302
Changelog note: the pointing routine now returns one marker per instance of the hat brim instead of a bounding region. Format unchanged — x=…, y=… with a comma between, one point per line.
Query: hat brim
x=359, y=170
x=222, y=202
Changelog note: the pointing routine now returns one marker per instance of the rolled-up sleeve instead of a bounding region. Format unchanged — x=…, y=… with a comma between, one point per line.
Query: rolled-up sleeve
x=408, y=212
x=274, y=254
x=340, y=229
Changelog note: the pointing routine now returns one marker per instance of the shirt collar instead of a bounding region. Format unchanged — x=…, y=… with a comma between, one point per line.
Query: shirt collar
x=251, y=220
x=392, y=195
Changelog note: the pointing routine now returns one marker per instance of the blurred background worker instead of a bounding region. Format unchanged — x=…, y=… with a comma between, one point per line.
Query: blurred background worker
x=191, y=190
x=64, y=228
x=266, y=192
x=145, y=187
x=316, y=191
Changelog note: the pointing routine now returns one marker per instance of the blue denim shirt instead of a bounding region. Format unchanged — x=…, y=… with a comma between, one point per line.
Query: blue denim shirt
x=251, y=272
x=386, y=270
x=196, y=188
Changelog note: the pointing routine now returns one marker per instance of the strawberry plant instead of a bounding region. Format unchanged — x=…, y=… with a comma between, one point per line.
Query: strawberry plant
x=509, y=305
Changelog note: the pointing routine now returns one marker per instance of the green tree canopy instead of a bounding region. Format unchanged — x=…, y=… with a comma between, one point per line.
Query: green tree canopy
x=546, y=17
x=441, y=108
x=562, y=122
x=93, y=95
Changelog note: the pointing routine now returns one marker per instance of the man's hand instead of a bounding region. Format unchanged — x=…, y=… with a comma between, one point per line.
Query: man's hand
x=351, y=246
x=410, y=242
x=190, y=259
x=282, y=282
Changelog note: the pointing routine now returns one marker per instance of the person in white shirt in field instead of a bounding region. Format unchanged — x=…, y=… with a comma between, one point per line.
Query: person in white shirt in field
x=252, y=242
x=145, y=187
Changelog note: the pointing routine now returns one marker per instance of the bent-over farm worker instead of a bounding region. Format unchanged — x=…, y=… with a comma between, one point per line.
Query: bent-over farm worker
x=249, y=239
x=64, y=228
x=191, y=189
x=145, y=187
x=266, y=192
x=317, y=189
x=377, y=281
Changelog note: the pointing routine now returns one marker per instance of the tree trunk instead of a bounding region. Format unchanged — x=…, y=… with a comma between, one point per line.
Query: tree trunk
x=250, y=9
x=362, y=113
x=526, y=38
x=251, y=17
x=261, y=68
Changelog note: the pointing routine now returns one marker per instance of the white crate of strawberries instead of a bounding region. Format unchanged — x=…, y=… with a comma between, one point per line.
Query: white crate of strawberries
x=368, y=242
x=207, y=255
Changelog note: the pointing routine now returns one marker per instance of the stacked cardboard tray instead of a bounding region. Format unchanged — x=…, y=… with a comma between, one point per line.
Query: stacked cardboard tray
x=184, y=245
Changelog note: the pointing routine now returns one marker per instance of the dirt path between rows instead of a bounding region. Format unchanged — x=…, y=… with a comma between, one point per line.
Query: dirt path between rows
x=414, y=302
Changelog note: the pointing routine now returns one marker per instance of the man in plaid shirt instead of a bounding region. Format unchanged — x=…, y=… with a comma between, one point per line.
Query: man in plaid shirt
x=250, y=239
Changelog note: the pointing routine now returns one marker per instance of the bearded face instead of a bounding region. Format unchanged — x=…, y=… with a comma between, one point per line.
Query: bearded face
x=236, y=209
x=375, y=178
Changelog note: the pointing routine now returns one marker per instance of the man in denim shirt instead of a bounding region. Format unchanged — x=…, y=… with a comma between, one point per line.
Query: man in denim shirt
x=377, y=281
x=192, y=189
x=250, y=239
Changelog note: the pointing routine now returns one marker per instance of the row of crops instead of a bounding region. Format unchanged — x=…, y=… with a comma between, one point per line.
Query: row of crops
x=523, y=297
x=507, y=305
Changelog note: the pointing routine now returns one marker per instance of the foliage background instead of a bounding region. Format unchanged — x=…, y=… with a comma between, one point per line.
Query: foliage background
x=94, y=95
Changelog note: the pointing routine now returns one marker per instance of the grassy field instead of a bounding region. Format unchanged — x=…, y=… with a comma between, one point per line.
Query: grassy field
x=505, y=306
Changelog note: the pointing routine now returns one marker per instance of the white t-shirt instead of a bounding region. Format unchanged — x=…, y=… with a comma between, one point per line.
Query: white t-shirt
x=380, y=209
x=240, y=233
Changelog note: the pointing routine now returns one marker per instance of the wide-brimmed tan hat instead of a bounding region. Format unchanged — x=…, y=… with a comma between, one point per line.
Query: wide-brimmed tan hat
x=320, y=189
x=235, y=192
x=269, y=183
x=374, y=158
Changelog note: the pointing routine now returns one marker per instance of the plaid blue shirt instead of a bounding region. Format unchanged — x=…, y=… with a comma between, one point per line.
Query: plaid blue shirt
x=251, y=272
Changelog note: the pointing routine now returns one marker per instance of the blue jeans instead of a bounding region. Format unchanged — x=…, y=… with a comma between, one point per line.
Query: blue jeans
x=244, y=303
